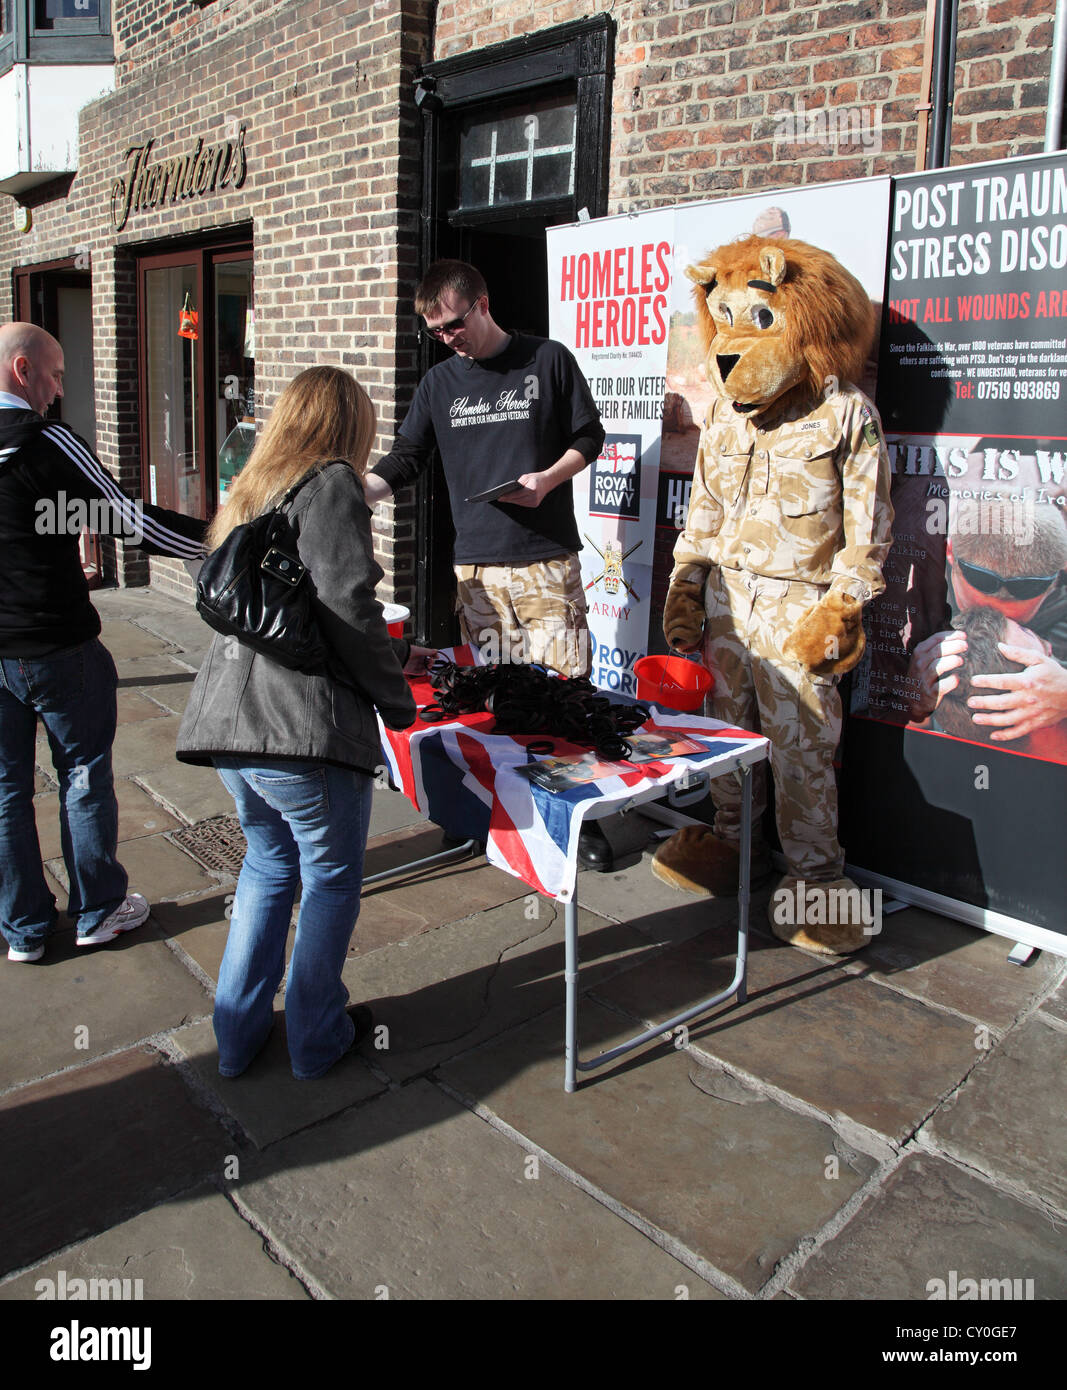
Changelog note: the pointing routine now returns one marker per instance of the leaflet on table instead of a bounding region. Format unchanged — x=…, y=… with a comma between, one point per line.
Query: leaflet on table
x=575, y=769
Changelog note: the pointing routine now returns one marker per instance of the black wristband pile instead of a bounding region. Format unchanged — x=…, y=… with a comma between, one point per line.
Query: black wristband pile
x=528, y=700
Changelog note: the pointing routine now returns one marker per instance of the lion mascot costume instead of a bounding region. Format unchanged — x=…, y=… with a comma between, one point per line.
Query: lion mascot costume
x=788, y=527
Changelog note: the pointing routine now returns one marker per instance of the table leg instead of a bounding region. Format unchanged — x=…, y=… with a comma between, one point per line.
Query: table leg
x=737, y=988
x=570, y=967
x=744, y=882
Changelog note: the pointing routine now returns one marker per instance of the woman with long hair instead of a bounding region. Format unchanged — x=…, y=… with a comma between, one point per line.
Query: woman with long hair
x=296, y=750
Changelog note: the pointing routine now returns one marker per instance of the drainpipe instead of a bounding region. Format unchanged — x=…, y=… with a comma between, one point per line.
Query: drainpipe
x=925, y=106
x=1054, y=119
x=939, y=140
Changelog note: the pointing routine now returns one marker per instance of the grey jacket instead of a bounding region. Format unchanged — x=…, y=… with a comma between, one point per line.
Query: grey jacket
x=243, y=704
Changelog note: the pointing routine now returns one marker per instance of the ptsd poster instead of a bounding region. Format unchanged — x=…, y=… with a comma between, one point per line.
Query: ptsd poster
x=967, y=646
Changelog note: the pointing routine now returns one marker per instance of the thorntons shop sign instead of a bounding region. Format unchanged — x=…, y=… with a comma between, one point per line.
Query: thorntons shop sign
x=149, y=185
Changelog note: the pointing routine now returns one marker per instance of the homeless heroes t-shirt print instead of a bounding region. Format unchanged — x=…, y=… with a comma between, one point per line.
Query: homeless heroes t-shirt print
x=510, y=405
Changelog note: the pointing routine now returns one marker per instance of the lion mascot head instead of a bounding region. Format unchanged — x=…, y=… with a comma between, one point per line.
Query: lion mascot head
x=779, y=318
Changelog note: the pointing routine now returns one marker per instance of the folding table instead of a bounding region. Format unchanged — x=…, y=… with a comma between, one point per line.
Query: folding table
x=464, y=777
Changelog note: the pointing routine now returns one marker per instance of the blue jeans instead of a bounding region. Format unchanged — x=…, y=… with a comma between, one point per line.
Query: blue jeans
x=304, y=822
x=73, y=694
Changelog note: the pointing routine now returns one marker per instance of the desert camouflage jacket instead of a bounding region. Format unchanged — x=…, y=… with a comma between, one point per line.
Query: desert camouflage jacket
x=792, y=494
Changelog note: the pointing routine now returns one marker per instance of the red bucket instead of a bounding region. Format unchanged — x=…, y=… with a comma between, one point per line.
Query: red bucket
x=395, y=615
x=673, y=681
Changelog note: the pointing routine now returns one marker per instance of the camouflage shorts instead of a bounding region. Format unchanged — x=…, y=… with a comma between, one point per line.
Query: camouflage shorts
x=534, y=614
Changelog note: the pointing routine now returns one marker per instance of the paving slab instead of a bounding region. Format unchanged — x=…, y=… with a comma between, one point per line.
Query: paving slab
x=390, y=810
x=929, y=1221
x=123, y=1129
x=169, y=691
x=267, y=1101
x=134, y=706
x=165, y=668
x=738, y=1184
x=194, y=793
x=193, y=1248
x=1010, y=1118
x=1055, y=1006
x=810, y=1027
x=428, y=898
x=412, y=1196
x=199, y=925
x=79, y=1003
x=138, y=815
x=125, y=640
x=182, y=625
x=443, y=991
x=662, y=913
x=157, y=869
x=958, y=967
x=147, y=746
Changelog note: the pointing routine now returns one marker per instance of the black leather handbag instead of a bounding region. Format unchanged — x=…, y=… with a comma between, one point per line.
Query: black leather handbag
x=256, y=588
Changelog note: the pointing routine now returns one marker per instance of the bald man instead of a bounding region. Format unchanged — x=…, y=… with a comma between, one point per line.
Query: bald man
x=52, y=664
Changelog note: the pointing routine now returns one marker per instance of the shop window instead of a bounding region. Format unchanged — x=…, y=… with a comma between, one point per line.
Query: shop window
x=197, y=329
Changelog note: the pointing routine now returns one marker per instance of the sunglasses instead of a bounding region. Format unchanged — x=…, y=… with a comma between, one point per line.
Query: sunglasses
x=453, y=326
x=989, y=582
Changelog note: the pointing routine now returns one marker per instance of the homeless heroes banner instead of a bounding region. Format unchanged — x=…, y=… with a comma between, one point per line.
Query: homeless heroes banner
x=972, y=389
x=609, y=285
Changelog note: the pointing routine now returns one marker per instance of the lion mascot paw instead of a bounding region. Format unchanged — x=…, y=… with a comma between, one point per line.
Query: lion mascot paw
x=828, y=640
x=683, y=615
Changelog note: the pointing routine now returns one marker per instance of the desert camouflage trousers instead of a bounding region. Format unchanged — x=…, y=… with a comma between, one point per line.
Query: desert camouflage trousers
x=748, y=619
x=534, y=614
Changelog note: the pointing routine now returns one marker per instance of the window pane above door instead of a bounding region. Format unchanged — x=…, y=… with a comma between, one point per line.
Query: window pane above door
x=518, y=155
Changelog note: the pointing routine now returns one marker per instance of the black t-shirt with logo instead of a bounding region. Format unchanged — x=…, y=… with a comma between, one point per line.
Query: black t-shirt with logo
x=493, y=420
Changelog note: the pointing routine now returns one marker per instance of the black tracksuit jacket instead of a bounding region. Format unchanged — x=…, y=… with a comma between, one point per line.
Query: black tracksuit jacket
x=49, y=480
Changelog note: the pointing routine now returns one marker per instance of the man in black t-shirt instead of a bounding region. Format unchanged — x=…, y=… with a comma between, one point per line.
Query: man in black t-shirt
x=506, y=408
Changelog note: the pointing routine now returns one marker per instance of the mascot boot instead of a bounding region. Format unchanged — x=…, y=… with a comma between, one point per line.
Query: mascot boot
x=832, y=918
x=697, y=861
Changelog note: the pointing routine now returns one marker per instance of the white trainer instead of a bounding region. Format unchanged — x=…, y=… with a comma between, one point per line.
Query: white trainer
x=35, y=954
x=129, y=914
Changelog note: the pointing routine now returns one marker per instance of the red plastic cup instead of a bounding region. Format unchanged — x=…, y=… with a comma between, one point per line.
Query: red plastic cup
x=673, y=681
x=395, y=617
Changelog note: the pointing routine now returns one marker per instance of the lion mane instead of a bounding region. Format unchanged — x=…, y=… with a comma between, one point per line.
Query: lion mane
x=828, y=316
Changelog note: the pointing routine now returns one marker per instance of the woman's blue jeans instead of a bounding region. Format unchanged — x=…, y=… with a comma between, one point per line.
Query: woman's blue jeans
x=305, y=822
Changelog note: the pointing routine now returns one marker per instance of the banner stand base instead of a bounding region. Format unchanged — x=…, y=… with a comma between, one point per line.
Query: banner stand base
x=1024, y=934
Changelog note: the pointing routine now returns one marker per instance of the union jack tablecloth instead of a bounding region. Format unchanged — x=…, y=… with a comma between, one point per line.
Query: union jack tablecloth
x=462, y=776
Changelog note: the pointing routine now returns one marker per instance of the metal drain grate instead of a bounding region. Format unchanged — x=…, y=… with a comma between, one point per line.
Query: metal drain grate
x=218, y=844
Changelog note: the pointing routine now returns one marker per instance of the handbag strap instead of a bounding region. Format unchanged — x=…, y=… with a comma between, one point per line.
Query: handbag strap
x=279, y=506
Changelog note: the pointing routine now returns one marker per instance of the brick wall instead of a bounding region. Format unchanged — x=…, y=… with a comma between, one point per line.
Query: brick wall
x=331, y=198
x=700, y=88
x=332, y=193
